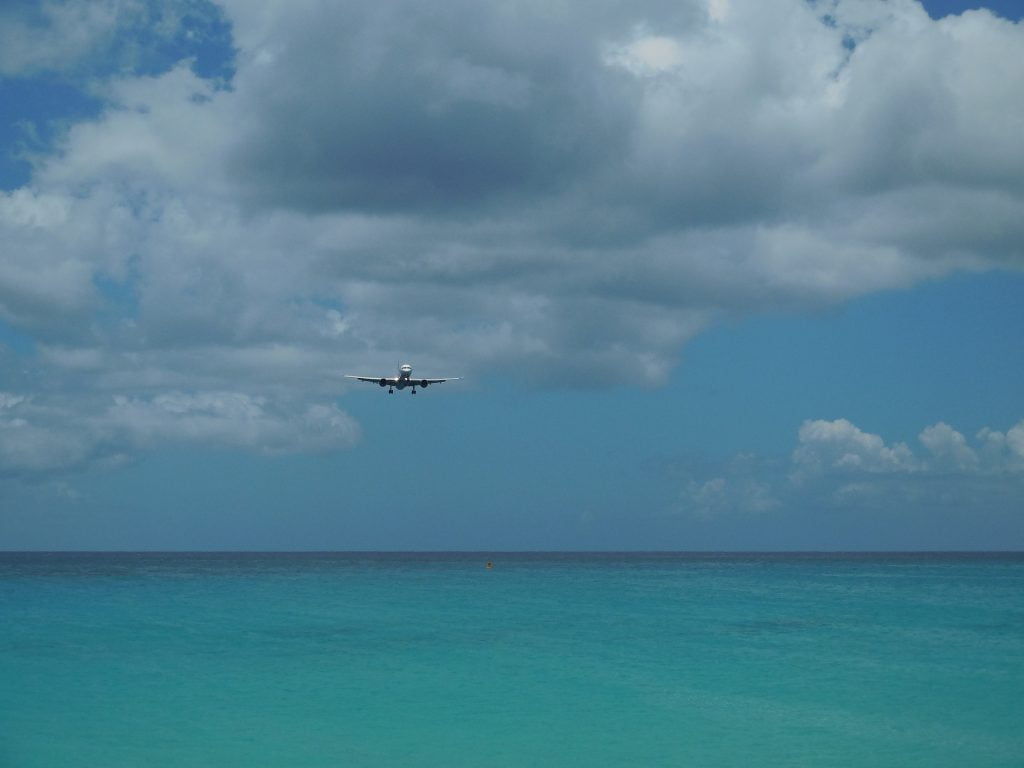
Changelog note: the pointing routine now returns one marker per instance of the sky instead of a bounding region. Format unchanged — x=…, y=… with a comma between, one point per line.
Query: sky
x=717, y=275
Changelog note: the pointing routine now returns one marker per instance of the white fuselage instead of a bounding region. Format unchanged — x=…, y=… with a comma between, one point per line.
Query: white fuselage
x=404, y=372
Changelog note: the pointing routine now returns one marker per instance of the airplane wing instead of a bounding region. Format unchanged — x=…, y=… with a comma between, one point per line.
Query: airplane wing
x=374, y=379
x=436, y=381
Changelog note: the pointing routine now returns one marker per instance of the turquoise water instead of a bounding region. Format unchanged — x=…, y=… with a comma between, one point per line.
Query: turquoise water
x=546, y=660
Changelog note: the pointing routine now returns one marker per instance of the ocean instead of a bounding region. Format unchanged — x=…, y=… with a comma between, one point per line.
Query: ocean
x=393, y=659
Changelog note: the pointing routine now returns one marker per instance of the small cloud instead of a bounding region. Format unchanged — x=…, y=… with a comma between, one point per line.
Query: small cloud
x=336, y=325
x=743, y=488
x=7, y=400
x=839, y=445
x=707, y=498
x=948, y=448
x=1003, y=451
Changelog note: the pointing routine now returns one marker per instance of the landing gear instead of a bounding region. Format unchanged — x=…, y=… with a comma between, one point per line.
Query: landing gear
x=391, y=391
x=414, y=390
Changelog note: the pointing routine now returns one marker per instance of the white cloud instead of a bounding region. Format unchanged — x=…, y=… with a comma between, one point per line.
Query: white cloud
x=7, y=400
x=1003, y=451
x=26, y=448
x=159, y=134
x=232, y=419
x=840, y=446
x=837, y=464
x=30, y=445
x=827, y=446
x=736, y=494
x=69, y=31
x=745, y=486
x=948, y=448
x=39, y=438
x=54, y=244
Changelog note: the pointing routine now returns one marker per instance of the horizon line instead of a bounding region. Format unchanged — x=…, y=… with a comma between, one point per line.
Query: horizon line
x=512, y=551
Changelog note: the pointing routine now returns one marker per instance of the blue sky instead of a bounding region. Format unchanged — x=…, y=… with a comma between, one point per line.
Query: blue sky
x=718, y=275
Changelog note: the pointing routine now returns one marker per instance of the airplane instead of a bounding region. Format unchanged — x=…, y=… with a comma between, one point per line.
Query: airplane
x=403, y=380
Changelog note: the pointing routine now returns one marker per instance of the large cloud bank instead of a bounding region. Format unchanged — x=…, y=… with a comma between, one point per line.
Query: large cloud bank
x=536, y=189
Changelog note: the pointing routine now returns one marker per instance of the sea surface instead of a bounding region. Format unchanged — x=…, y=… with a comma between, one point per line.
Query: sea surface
x=151, y=660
